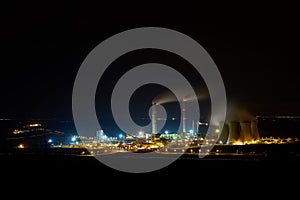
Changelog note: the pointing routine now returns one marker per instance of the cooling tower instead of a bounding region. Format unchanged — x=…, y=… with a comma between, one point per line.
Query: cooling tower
x=246, y=135
x=224, y=134
x=254, y=129
x=154, y=122
x=234, y=132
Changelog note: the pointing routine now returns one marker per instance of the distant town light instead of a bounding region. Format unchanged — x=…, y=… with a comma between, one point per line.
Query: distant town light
x=50, y=141
x=203, y=123
x=166, y=132
x=73, y=139
x=34, y=125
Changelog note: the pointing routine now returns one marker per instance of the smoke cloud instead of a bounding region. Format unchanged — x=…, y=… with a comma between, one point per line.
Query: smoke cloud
x=236, y=112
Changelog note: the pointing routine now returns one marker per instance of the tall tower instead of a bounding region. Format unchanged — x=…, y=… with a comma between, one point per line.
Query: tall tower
x=245, y=134
x=183, y=116
x=224, y=133
x=254, y=129
x=234, y=132
x=193, y=126
x=154, y=122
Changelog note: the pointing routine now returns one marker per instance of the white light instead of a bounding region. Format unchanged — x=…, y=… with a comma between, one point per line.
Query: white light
x=166, y=132
x=73, y=139
x=217, y=130
x=191, y=131
x=50, y=140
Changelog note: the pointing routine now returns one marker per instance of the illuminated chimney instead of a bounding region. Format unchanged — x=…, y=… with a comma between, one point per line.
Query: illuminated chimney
x=234, y=132
x=254, y=129
x=245, y=134
x=224, y=134
x=193, y=126
x=183, y=116
x=154, y=122
x=197, y=127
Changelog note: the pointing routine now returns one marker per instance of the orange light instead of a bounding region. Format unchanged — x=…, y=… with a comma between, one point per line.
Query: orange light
x=238, y=142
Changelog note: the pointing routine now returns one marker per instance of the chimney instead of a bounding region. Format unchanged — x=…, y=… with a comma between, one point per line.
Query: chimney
x=246, y=135
x=254, y=129
x=183, y=116
x=234, y=132
x=193, y=126
x=154, y=122
x=224, y=134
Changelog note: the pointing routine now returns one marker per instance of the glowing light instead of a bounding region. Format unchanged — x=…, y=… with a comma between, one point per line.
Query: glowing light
x=34, y=125
x=217, y=130
x=166, y=132
x=120, y=135
x=73, y=139
x=21, y=146
x=191, y=131
x=238, y=142
x=16, y=131
x=50, y=141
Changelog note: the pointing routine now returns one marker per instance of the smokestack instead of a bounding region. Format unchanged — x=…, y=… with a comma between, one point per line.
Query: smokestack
x=254, y=129
x=193, y=126
x=183, y=116
x=224, y=134
x=234, y=132
x=245, y=134
x=154, y=121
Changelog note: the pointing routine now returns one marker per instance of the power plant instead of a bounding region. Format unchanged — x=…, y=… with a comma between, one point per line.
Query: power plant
x=232, y=132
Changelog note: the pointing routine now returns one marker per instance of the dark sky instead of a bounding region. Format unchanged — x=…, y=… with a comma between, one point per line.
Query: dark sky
x=42, y=46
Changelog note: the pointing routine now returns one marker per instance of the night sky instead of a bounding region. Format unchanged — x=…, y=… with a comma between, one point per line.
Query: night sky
x=254, y=46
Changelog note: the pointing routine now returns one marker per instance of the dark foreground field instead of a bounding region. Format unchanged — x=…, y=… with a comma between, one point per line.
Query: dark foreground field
x=85, y=175
x=59, y=165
